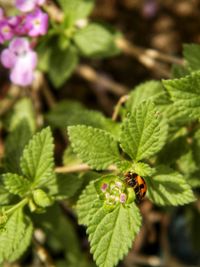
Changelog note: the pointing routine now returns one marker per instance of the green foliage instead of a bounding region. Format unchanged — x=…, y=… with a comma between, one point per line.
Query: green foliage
x=76, y=9
x=96, y=40
x=95, y=147
x=185, y=92
x=37, y=160
x=14, y=146
x=62, y=64
x=168, y=187
x=67, y=113
x=15, y=237
x=111, y=234
x=191, y=54
x=143, y=132
x=16, y=184
x=151, y=90
x=22, y=111
x=68, y=185
x=85, y=203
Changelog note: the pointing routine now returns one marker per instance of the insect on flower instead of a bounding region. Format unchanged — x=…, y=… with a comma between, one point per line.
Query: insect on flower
x=137, y=183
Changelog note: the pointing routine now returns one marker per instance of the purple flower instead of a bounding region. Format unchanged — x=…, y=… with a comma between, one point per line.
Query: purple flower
x=28, y=5
x=6, y=31
x=1, y=14
x=36, y=23
x=21, y=59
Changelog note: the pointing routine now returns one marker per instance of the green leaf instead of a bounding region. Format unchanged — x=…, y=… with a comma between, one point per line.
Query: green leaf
x=142, y=169
x=5, y=196
x=16, y=236
x=62, y=64
x=175, y=148
x=85, y=203
x=14, y=146
x=179, y=71
x=67, y=113
x=168, y=187
x=96, y=40
x=23, y=111
x=111, y=234
x=95, y=147
x=37, y=160
x=77, y=9
x=191, y=54
x=196, y=147
x=16, y=184
x=68, y=185
x=185, y=92
x=151, y=90
x=144, y=132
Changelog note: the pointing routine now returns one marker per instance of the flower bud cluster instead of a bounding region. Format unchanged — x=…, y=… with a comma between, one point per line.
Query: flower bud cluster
x=112, y=190
x=19, y=56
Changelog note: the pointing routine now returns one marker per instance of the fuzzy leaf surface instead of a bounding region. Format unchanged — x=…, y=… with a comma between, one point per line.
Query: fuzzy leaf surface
x=15, y=237
x=185, y=92
x=144, y=132
x=37, y=160
x=168, y=187
x=85, y=203
x=111, y=234
x=94, y=146
x=16, y=184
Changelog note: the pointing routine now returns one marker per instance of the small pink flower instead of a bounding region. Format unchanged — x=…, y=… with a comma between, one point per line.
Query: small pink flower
x=123, y=198
x=104, y=187
x=28, y=5
x=1, y=14
x=6, y=31
x=21, y=60
x=36, y=23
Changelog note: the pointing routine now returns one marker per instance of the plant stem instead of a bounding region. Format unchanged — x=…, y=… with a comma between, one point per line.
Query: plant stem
x=20, y=204
x=78, y=168
x=120, y=102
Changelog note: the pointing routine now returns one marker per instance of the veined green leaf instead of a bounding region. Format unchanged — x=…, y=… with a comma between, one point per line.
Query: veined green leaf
x=144, y=132
x=151, y=90
x=96, y=40
x=23, y=111
x=67, y=113
x=37, y=160
x=85, y=203
x=77, y=9
x=185, y=92
x=94, y=146
x=16, y=184
x=62, y=64
x=111, y=234
x=16, y=236
x=168, y=187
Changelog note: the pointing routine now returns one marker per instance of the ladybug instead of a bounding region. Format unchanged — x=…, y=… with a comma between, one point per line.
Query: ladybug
x=138, y=184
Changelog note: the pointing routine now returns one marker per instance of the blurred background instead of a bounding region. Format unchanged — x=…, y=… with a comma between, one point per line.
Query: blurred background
x=162, y=26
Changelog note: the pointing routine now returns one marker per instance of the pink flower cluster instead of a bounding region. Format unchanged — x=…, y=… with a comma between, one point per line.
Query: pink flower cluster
x=19, y=57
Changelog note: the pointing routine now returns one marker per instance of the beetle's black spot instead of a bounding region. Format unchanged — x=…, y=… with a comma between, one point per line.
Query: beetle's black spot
x=141, y=186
